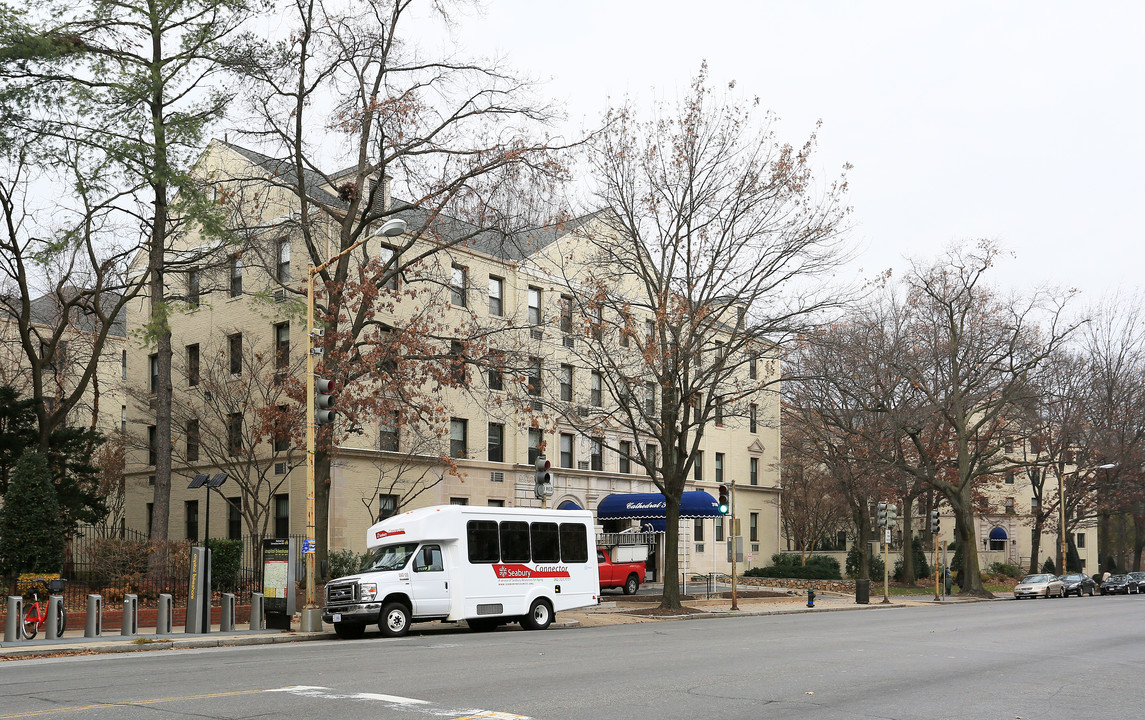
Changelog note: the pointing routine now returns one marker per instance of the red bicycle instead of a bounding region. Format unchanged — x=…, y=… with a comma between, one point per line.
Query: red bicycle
x=37, y=615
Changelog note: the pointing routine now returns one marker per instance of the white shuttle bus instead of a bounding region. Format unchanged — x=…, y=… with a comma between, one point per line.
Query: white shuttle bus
x=487, y=566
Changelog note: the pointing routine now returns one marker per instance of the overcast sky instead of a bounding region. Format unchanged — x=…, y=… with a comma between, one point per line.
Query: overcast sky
x=1017, y=121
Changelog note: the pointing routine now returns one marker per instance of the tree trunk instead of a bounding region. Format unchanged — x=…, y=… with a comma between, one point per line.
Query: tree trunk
x=671, y=599
x=964, y=532
x=863, y=537
x=908, y=576
x=322, y=462
x=1036, y=544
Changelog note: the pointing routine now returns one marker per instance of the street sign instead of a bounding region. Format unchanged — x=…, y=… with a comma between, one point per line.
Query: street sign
x=308, y=545
x=888, y=538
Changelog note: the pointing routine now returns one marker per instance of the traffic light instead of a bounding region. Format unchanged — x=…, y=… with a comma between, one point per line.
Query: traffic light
x=934, y=522
x=543, y=479
x=323, y=401
x=725, y=503
x=892, y=516
x=882, y=514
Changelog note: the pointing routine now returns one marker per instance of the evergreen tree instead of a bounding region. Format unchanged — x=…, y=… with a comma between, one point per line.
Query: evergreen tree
x=1072, y=560
x=31, y=534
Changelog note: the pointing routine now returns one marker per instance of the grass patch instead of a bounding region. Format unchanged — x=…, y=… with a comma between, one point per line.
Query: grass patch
x=147, y=641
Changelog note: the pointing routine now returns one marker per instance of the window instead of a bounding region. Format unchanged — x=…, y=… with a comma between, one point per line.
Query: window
x=236, y=273
x=458, y=501
x=752, y=373
x=281, y=516
x=153, y=372
x=752, y=416
x=719, y=411
x=123, y=365
x=753, y=471
x=566, y=383
x=234, y=433
x=626, y=323
x=389, y=256
x=534, y=306
x=625, y=456
x=191, y=519
x=595, y=385
x=458, y=286
x=650, y=455
x=428, y=559
x=1009, y=506
x=192, y=440
x=597, y=314
x=566, y=313
x=514, y=541
x=151, y=454
x=458, y=437
x=193, y=288
x=496, y=379
x=1079, y=542
x=566, y=450
x=574, y=543
x=388, y=433
x=536, y=437
x=719, y=529
x=496, y=296
x=698, y=530
x=698, y=467
x=534, y=378
x=387, y=506
x=282, y=271
x=280, y=441
x=719, y=468
x=483, y=542
x=496, y=442
x=281, y=347
x=150, y=516
x=122, y=418
x=235, y=343
x=495, y=503
x=1033, y=503
x=596, y=453
x=546, y=542
x=1009, y=477
x=457, y=362
x=192, y=365
x=234, y=518
x=650, y=398
x=753, y=528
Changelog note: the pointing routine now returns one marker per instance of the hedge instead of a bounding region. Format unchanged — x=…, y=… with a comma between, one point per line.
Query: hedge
x=800, y=572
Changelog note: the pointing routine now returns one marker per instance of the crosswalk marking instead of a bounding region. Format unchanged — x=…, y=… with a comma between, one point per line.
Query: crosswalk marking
x=408, y=704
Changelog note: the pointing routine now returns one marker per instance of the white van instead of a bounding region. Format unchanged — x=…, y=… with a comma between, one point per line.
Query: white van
x=487, y=566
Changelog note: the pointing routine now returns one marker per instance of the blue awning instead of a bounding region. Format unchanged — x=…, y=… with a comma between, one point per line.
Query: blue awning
x=998, y=534
x=569, y=505
x=693, y=504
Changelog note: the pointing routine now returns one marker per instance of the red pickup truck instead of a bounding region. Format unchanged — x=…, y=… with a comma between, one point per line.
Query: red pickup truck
x=628, y=575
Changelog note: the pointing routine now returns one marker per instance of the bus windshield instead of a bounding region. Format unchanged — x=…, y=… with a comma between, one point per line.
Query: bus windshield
x=390, y=557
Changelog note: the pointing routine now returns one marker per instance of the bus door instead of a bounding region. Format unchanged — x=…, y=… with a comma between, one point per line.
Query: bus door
x=429, y=582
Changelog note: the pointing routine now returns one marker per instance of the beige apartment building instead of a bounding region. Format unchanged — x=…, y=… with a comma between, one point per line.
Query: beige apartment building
x=243, y=322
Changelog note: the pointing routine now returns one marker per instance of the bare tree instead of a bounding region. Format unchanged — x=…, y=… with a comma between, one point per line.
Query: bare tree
x=811, y=506
x=702, y=264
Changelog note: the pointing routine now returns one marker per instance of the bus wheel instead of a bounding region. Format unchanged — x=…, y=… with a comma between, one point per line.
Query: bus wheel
x=540, y=616
x=395, y=620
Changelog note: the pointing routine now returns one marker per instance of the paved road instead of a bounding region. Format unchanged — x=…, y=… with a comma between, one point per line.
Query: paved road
x=1072, y=658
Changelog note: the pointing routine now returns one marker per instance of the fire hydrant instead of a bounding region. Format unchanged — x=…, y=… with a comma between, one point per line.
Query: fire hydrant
x=810, y=598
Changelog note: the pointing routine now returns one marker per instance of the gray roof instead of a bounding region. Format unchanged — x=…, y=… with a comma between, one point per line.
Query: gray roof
x=46, y=311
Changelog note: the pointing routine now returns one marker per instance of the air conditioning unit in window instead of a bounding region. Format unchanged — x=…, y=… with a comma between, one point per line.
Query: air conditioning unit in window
x=496, y=476
x=582, y=465
x=280, y=468
x=537, y=333
x=569, y=341
x=280, y=295
x=582, y=411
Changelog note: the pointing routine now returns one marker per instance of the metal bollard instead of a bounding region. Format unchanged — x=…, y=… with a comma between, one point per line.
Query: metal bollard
x=227, y=613
x=13, y=631
x=129, y=625
x=164, y=619
x=257, y=614
x=52, y=629
x=94, y=626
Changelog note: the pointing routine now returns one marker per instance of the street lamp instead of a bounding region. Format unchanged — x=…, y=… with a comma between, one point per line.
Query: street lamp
x=311, y=615
x=1061, y=509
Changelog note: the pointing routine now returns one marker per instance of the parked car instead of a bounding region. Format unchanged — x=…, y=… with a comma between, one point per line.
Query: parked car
x=1140, y=578
x=1077, y=584
x=1039, y=585
x=1115, y=584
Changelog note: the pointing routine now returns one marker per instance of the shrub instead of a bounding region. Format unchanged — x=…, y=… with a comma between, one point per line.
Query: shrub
x=921, y=566
x=1110, y=565
x=226, y=561
x=795, y=560
x=1006, y=569
x=113, y=559
x=344, y=561
x=31, y=533
x=1049, y=566
x=1097, y=578
x=854, y=558
x=808, y=572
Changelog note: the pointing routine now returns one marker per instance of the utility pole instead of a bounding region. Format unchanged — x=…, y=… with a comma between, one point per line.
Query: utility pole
x=735, y=543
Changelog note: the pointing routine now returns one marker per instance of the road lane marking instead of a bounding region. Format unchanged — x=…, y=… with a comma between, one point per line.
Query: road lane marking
x=407, y=704
x=104, y=706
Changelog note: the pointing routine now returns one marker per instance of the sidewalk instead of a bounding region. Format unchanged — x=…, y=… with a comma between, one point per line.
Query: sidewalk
x=611, y=611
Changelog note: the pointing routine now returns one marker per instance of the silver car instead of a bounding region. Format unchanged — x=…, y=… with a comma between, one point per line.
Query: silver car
x=1040, y=585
